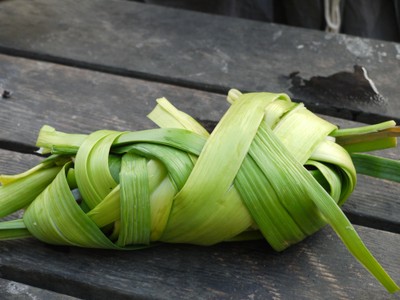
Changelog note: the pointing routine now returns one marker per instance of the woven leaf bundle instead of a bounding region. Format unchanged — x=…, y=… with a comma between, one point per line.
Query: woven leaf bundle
x=271, y=169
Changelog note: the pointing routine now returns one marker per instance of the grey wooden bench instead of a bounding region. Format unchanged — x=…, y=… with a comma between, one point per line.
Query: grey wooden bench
x=83, y=66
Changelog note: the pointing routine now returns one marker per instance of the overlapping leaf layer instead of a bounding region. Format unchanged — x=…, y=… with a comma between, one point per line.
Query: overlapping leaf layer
x=270, y=169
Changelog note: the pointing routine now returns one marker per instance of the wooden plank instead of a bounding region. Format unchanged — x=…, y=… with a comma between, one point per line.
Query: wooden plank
x=372, y=207
x=76, y=100
x=11, y=290
x=176, y=46
x=231, y=270
x=318, y=268
x=12, y=162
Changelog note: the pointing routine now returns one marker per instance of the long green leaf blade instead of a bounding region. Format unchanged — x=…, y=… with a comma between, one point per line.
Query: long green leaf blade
x=378, y=167
x=22, y=192
x=334, y=216
x=14, y=229
x=135, y=201
x=205, y=191
x=55, y=217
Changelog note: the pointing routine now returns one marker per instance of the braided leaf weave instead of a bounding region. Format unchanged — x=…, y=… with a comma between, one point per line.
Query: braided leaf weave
x=182, y=186
x=270, y=169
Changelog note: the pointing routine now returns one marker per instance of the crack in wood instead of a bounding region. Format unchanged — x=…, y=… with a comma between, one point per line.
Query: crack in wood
x=18, y=147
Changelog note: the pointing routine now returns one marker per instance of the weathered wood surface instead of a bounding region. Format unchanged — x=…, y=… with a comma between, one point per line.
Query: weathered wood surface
x=76, y=100
x=318, y=268
x=11, y=290
x=81, y=101
x=191, y=59
x=204, y=51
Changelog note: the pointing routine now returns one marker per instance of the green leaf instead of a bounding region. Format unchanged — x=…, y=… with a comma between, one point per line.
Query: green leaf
x=368, y=138
x=207, y=209
x=92, y=170
x=20, y=193
x=14, y=229
x=331, y=212
x=55, y=218
x=166, y=115
x=48, y=137
x=135, y=218
x=378, y=167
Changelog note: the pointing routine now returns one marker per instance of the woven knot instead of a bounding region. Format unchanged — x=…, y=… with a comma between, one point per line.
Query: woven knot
x=258, y=172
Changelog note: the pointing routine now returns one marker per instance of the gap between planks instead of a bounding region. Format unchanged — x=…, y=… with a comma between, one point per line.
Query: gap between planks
x=347, y=114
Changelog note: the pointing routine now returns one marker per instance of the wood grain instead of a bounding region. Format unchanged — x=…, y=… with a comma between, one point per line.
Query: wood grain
x=318, y=268
x=82, y=101
x=123, y=55
x=207, y=52
x=11, y=290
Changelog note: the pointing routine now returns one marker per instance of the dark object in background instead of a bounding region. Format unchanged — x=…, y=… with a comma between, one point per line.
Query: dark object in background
x=6, y=94
x=373, y=19
x=303, y=13
x=351, y=89
x=262, y=10
x=365, y=18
